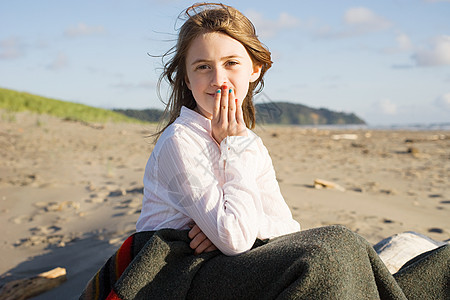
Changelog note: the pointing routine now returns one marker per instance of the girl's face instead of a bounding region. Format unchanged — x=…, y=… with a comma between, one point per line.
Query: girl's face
x=213, y=60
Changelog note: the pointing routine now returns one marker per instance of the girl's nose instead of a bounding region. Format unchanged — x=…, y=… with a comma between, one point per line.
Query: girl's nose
x=218, y=78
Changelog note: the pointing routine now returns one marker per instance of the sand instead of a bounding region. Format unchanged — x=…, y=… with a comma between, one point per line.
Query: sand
x=70, y=193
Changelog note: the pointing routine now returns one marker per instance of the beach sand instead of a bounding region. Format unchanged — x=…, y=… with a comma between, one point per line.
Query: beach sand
x=70, y=193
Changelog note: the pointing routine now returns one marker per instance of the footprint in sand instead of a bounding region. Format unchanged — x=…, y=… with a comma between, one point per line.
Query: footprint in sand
x=22, y=219
x=44, y=230
x=46, y=235
x=57, y=206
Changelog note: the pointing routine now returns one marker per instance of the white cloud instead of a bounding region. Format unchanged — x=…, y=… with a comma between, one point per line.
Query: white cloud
x=267, y=28
x=357, y=21
x=437, y=54
x=285, y=20
x=443, y=102
x=403, y=44
x=82, y=30
x=60, y=62
x=365, y=19
x=385, y=107
x=11, y=48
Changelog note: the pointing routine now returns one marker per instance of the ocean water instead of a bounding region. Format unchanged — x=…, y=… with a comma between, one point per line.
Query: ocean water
x=411, y=127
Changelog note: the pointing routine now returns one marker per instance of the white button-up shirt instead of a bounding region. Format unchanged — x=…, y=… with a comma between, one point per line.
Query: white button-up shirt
x=229, y=191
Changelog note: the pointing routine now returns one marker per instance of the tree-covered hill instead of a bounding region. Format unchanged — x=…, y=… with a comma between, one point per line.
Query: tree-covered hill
x=298, y=114
x=272, y=113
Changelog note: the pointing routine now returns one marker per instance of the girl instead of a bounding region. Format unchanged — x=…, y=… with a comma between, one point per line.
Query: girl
x=209, y=184
x=207, y=167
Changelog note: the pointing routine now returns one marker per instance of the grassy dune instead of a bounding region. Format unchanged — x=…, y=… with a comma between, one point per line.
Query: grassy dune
x=13, y=101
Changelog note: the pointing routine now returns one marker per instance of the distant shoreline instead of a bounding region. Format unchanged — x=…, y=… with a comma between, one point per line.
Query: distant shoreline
x=405, y=127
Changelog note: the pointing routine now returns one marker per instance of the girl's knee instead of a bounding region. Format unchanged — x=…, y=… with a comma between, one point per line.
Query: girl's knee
x=338, y=234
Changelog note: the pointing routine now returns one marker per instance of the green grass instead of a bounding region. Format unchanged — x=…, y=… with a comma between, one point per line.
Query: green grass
x=14, y=101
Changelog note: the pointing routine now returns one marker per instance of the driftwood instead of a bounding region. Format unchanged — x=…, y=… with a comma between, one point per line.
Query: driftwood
x=320, y=184
x=22, y=289
x=345, y=136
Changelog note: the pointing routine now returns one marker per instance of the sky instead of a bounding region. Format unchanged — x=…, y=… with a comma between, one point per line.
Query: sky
x=386, y=61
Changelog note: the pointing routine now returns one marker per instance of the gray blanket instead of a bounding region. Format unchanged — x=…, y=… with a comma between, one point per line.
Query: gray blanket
x=322, y=263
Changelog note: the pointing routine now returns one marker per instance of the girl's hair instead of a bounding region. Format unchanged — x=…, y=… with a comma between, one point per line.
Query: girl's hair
x=205, y=18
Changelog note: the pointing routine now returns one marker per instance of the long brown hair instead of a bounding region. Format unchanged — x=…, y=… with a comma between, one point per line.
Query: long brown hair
x=204, y=18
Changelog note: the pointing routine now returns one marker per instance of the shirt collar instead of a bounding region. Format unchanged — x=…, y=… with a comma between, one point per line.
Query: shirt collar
x=190, y=116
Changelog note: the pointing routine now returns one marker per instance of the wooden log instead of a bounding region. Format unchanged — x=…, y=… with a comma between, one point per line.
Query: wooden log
x=22, y=289
x=320, y=183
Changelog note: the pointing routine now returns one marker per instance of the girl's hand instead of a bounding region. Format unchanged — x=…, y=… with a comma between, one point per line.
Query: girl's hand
x=199, y=242
x=227, y=117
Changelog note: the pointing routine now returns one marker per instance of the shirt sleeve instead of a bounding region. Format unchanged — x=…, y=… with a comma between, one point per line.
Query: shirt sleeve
x=227, y=212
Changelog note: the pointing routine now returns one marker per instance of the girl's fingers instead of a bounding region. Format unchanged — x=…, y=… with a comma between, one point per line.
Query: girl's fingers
x=231, y=107
x=229, y=121
x=224, y=104
x=216, y=109
x=211, y=248
x=239, y=113
x=197, y=240
x=194, y=231
x=200, y=243
x=205, y=244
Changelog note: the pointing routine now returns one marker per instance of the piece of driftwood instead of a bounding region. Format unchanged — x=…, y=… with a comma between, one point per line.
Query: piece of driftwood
x=398, y=249
x=22, y=289
x=345, y=136
x=320, y=184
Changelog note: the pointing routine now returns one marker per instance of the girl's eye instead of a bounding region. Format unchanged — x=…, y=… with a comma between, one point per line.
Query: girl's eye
x=232, y=63
x=202, y=67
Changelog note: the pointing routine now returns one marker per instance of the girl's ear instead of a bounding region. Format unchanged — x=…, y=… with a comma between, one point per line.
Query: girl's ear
x=186, y=79
x=256, y=72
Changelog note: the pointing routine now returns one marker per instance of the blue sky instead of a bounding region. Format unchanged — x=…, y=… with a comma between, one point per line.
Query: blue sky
x=387, y=61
